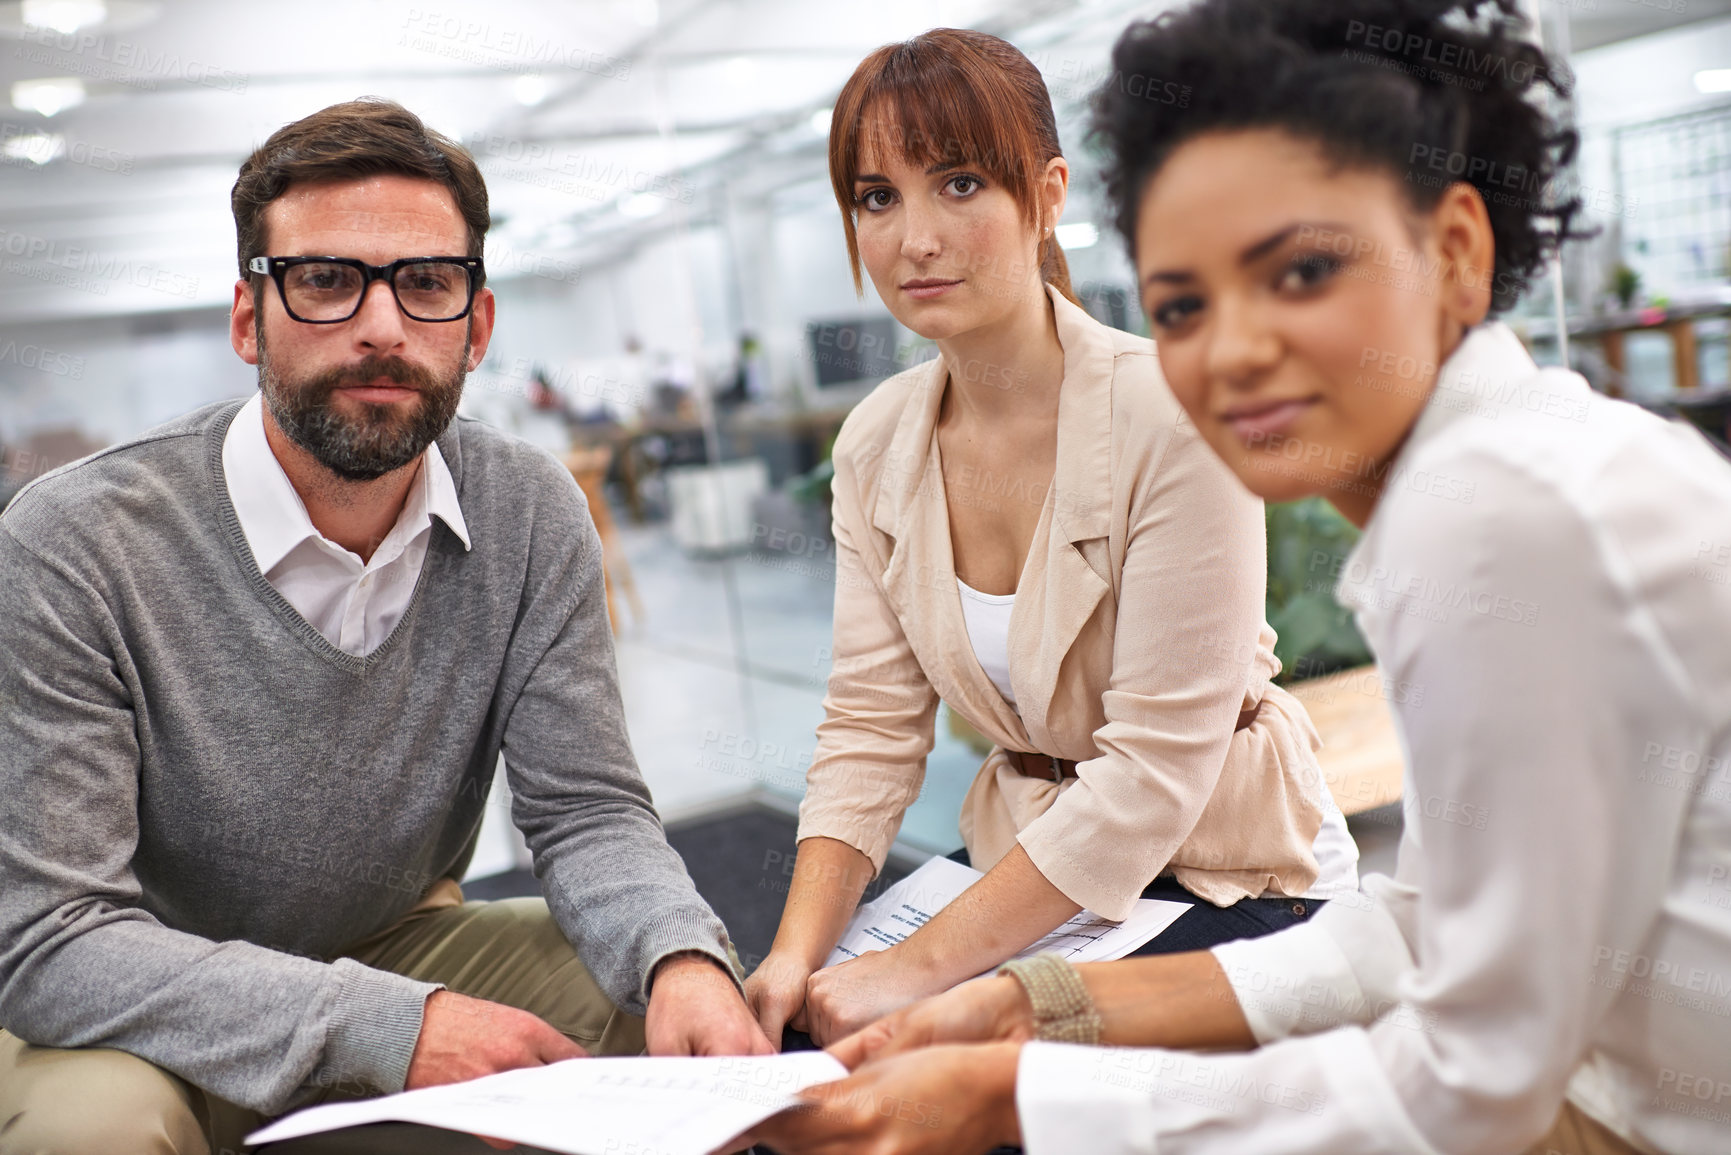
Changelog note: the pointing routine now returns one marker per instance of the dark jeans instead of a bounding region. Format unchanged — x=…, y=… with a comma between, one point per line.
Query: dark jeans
x=1205, y=925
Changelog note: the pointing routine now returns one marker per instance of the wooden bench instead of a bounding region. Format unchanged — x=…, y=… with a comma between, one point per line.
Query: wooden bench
x=1361, y=756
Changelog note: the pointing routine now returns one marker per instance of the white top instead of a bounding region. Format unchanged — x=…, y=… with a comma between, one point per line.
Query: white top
x=988, y=621
x=354, y=604
x=1554, y=568
x=1336, y=856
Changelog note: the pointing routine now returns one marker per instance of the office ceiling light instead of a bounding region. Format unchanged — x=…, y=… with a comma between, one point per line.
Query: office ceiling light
x=740, y=70
x=35, y=147
x=64, y=16
x=820, y=121
x=1080, y=235
x=48, y=96
x=641, y=206
x=531, y=88
x=1713, y=80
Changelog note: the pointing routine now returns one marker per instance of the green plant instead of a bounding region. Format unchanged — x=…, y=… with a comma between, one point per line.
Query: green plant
x=1625, y=283
x=813, y=484
x=1307, y=541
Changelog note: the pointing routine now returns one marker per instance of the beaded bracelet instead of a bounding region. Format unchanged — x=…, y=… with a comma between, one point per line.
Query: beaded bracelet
x=1064, y=1012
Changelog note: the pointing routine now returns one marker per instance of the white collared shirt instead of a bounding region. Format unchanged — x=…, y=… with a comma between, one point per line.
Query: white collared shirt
x=1550, y=573
x=354, y=604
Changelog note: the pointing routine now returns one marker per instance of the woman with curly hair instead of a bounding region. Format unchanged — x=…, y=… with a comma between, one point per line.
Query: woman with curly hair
x=1321, y=239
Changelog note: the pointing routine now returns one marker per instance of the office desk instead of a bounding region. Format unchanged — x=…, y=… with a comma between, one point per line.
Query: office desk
x=792, y=441
x=1361, y=757
x=1676, y=322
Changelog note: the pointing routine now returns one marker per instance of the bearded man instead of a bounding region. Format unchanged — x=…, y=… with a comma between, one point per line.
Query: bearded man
x=260, y=665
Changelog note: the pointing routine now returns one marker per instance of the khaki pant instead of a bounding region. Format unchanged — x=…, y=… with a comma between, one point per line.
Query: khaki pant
x=105, y=1102
x=1575, y=1133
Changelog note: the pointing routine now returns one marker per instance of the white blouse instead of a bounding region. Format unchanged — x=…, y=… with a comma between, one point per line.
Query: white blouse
x=1554, y=569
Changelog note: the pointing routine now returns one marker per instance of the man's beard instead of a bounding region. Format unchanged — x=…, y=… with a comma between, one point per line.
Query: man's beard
x=377, y=441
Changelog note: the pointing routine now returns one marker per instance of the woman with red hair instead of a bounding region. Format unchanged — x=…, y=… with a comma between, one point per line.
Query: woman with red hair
x=1028, y=529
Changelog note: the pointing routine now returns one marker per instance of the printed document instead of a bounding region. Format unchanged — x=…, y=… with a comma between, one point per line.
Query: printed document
x=692, y=1106
x=594, y=1106
x=910, y=904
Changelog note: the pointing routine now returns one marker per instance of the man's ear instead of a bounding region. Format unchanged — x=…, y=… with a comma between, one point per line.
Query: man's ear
x=1467, y=245
x=481, y=327
x=242, y=322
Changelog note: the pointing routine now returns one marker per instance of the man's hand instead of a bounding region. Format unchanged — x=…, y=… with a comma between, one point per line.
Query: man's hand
x=695, y=1009
x=994, y=1010
x=939, y=1101
x=844, y=998
x=464, y=1038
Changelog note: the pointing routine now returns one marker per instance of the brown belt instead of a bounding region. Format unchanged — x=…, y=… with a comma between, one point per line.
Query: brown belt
x=1058, y=769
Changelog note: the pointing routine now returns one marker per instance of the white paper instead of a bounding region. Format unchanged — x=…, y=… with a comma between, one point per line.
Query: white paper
x=911, y=903
x=646, y=1106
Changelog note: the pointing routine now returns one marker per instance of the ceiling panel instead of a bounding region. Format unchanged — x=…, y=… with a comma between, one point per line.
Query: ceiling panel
x=1594, y=23
x=584, y=115
x=591, y=118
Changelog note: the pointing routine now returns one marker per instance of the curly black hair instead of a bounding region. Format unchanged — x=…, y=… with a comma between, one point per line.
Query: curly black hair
x=1432, y=91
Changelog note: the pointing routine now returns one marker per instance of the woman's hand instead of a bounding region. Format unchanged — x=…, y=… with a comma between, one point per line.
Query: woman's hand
x=841, y=999
x=990, y=921
x=775, y=992
x=994, y=1010
x=953, y=1100
x=828, y=878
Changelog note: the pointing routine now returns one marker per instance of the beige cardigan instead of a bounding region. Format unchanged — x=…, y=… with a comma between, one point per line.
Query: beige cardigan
x=1136, y=639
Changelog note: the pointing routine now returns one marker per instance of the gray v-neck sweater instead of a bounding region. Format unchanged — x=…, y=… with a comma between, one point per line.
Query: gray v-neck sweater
x=202, y=799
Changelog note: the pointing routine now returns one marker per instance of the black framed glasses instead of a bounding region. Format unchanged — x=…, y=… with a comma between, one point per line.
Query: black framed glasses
x=327, y=290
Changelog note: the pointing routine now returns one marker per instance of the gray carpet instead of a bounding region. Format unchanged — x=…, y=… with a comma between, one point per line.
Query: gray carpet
x=741, y=861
